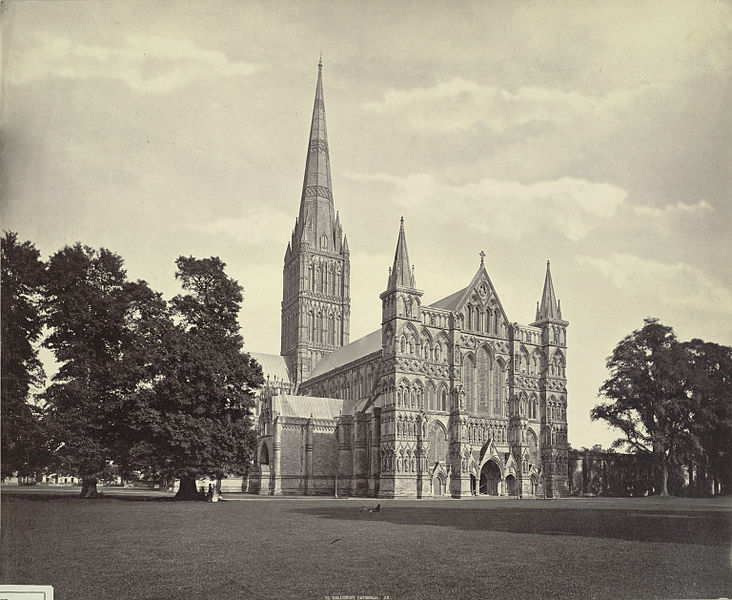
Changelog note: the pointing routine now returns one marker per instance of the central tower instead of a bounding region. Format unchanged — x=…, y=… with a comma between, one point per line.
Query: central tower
x=316, y=303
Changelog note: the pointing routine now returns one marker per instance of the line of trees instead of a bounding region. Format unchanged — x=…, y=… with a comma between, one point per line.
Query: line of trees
x=145, y=387
x=673, y=400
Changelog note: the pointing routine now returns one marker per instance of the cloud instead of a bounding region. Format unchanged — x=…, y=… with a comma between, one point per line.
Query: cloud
x=571, y=207
x=674, y=210
x=257, y=229
x=147, y=65
x=509, y=209
x=676, y=284
x=462, y=104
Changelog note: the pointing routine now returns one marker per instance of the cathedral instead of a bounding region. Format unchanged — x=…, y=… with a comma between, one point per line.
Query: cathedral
x=449, y=398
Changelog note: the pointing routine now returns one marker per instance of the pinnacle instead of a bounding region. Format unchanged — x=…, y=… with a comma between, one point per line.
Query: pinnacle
x=548, y=308
x=402, y=273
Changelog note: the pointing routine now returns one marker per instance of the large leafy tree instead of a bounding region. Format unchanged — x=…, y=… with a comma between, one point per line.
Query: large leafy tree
x=710, y=383
x=93, y=313
x=648, y=389
x=22, y=277
x=673, y=400
x=195, y=419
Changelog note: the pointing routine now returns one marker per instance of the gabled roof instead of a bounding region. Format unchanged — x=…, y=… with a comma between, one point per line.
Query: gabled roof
x=273, y=366
x=455, y=302
x=347, y=354
x=449, y=303
x=288, y=405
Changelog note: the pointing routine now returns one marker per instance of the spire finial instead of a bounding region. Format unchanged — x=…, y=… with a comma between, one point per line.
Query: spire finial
x=320, y=61
x=401, y=222
x=482, y=256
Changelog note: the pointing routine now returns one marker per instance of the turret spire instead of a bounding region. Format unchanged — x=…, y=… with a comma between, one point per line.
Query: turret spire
x=549, y=306
x=401, y=273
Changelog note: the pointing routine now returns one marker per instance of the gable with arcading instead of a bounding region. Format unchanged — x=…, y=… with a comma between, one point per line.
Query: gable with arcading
x=478, y=305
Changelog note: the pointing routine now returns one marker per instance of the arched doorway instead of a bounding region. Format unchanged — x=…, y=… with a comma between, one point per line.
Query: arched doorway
x=437, y=486
x=534, y=485
x=511, y=485
x=473, y=485
x=490, y=475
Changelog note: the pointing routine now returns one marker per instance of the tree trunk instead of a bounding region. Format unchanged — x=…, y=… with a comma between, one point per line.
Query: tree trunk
x=187, y=489
x=89, y=487
x=664, y=478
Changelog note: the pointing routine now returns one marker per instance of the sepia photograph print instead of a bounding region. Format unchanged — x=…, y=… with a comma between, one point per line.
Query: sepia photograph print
x=432, y=299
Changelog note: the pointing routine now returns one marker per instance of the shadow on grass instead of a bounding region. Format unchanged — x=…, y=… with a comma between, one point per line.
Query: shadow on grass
x=680, y=527
x=47, y=497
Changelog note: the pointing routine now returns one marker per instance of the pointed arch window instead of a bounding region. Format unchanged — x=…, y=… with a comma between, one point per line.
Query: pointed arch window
x=483, y=376
x=469, y=382
x=443, y=400
x=430, y=397
x=497, y=387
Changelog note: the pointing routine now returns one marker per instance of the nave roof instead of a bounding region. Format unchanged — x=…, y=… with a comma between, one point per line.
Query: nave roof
x=347, y=354
x=274, y=366
x=305, y=407
x=450, y=302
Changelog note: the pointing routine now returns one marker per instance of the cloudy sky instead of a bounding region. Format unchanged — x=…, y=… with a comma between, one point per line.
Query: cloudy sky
x=596, y=135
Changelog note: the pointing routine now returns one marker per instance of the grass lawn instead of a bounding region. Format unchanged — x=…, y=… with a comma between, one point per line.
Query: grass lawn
x=134, y=547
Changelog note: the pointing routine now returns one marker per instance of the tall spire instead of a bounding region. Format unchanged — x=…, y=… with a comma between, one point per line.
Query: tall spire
x=401, y=273
x=317, y=215
x=548, y=308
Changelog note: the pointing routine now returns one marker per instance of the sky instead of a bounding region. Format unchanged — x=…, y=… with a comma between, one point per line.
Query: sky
x=596, y=135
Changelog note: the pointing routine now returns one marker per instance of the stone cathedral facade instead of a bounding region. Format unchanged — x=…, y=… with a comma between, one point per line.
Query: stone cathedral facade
x=448, y=398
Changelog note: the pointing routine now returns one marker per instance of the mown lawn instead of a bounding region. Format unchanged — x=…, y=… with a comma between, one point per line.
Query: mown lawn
x=128, y=547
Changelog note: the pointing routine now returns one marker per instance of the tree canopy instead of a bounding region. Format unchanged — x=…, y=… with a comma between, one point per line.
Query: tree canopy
x=195, y=419
x=669, y=398
x=22, y=278
x=144, y=386
x=92, y=312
